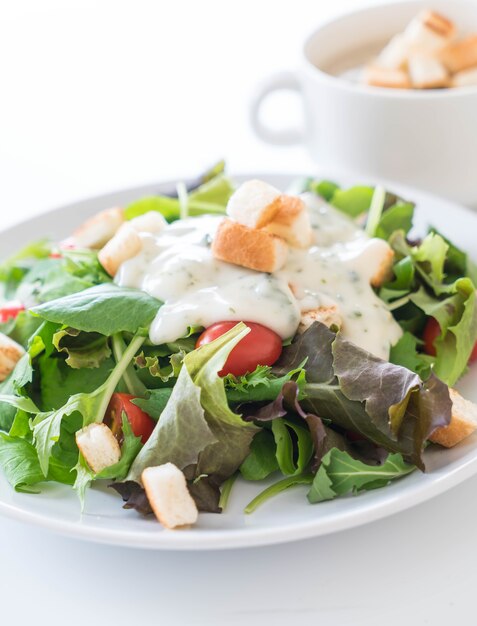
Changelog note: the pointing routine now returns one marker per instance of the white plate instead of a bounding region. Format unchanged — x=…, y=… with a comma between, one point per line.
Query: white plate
x=285, y=518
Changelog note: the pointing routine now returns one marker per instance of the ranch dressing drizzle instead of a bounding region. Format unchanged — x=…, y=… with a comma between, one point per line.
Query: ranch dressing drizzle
x=178, y=268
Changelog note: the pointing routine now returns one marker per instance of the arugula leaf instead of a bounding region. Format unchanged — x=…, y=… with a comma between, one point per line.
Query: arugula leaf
x=340, y=474
x=105, y=309
x=20, y=464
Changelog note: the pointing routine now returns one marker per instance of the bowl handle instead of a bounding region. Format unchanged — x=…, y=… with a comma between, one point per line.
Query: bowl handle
x=282, y=81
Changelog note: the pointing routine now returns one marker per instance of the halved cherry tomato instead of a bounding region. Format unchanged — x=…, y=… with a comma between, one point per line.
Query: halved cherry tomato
x=261, y=346
x=141, y=424
x=10, y=310
x=432, y=330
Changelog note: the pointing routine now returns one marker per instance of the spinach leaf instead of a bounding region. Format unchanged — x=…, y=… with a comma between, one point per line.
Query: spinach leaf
x=105, y=309
x=262, y=460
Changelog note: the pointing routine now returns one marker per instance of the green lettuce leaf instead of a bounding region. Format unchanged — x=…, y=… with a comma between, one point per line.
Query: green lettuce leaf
x=197, y=427
x=84, y=350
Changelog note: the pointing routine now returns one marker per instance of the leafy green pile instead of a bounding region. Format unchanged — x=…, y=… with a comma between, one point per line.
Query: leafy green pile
x=431, y=278
x=328, y=414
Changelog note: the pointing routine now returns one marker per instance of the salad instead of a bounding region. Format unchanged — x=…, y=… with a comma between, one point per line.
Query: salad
x=219, y=333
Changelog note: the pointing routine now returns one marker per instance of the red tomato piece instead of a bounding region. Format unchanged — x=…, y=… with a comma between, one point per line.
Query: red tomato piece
x=10, y=310
x=261, y=346
x=432, y=330
x=141, y=424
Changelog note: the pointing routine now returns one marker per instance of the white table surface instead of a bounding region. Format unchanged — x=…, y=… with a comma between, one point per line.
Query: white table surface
x=98, y=95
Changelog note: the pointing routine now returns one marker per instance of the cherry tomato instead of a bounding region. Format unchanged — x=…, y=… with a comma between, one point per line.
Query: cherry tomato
x=141, y=424
x=10, y=310
x=432, y=330
x=55, y=255
x=261, y=346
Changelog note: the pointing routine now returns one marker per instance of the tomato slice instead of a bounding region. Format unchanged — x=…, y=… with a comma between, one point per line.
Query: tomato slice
x=432, y=330
x=141, y=424
x=261, y=346
x=10, y=310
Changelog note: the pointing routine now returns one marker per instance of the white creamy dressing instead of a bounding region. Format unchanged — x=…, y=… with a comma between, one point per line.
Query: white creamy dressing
x=177, y=267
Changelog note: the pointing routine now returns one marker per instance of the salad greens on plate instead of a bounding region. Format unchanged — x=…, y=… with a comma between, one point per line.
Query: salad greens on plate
x=325, y=413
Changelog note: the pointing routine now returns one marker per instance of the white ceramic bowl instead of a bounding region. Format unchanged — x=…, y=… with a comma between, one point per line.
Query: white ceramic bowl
x=425, y=138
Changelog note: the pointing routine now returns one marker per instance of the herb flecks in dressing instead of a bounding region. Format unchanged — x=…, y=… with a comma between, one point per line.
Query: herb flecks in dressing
x=178, y=268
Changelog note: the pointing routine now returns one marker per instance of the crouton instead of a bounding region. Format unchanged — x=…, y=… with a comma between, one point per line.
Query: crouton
x=426, y=72
x=385, y=260
x=292, y=222
x=394, y=55
x=466, y=78
x=99, y=229
x=461, y=55
x=10, y=353
x=429, y=32
x=249, y=247
x=463, y=422
x=254, y=203
x=328, y=315
x=166, y=490
x=379, y=77
x=99, y=446
x=150, y=222
x=125, y=244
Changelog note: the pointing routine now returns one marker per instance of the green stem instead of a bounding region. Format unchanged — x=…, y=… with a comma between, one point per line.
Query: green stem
x=226, y=490
x=131, y=380
x=375, y=210
x=276, y=488
x=110, y=385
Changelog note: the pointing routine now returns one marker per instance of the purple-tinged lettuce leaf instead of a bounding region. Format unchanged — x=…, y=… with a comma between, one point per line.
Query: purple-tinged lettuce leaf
x=398, y=418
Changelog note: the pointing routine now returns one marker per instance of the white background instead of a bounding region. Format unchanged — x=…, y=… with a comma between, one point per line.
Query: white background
x=97, y=95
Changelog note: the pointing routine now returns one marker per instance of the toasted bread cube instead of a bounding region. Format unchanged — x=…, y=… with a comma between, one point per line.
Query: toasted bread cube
x=426, y=72
x=466, y=78
x=463, y=422
x=10, y=353
x=292, y=222
x=383, y=260
x=393, y=79
x=429, y=32
x=249, y=247
x=166, y=490
x=461, y=55
x=254, y=203
x=99, y=446
x=150, y=222
x=394, y=55
x=328, y=315
x=99, y=229
x=125, y=244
